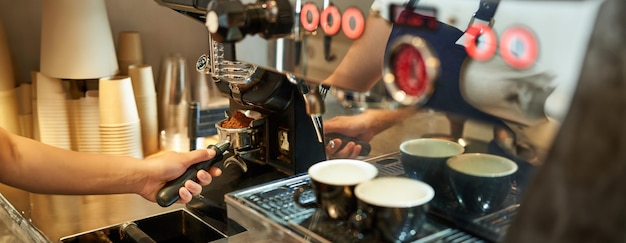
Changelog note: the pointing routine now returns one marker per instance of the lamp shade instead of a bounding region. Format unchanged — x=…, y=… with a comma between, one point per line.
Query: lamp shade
x=76, y=40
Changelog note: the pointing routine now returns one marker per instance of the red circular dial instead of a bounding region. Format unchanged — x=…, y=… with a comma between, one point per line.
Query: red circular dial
x=353, y=23
x=309, y=10
x=519, y=47
x=330, y=20
x=410, y=70
x=481, y=43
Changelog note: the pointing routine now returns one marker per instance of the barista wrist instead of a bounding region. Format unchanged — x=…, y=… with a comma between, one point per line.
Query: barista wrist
x=381, y=120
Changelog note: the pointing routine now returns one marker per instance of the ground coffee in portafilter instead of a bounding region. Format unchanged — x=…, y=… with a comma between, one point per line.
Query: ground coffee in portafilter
x=237, y=120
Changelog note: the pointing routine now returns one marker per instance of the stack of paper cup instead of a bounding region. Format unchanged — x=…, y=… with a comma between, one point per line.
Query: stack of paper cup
x=8, y=94
x=33, y=101
x=86, y=117
x=128, y=50
x=25, y=110
x=52, y=112
x=120, y=129
x=145, y=95
x=9, y=111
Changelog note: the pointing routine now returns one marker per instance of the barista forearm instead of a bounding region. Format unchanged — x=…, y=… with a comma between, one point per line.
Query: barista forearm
x=41, y=168
x=382, y=119
x=361, y=67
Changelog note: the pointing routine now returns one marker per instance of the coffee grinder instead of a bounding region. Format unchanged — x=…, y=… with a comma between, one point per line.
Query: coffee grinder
x=287, y=125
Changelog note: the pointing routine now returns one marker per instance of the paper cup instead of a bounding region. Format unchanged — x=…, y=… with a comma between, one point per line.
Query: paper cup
x=129, y=50
x=117, y=101
x=147, y=108
x=142, y=79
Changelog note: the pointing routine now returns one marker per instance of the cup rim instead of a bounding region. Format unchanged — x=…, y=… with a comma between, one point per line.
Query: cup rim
x=459, y=147
x=395, y=200
x=370, y=169
x=512, y=166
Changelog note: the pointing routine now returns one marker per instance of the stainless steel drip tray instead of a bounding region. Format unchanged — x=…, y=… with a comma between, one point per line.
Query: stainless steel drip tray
x=269, y=210
x=178, y=225
x=271, y=207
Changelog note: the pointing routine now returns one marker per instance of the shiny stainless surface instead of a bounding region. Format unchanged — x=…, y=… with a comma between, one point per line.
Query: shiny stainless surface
x=14, y=227
x=59, y=216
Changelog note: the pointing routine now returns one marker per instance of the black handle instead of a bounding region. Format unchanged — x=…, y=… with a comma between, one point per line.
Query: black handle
x=366, y=148
x=328, y=55
x=134, y=233
x=168, y=195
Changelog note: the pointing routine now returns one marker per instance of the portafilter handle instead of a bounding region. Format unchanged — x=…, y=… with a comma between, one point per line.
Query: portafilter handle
x=168, y=195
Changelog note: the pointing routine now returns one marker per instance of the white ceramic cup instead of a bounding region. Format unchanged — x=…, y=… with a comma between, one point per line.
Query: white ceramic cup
x=333, y=183
x=393, y=207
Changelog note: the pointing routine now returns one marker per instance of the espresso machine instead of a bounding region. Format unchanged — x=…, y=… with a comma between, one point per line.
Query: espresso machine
x=529, y=88
x=284, y=136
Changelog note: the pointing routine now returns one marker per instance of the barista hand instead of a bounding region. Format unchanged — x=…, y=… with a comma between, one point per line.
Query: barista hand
x=171, y=165
x=363, y=126
x=358, y=127
x=40, y=168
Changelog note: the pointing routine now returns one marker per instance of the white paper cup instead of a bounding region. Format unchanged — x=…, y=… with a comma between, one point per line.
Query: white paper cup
x=124, y=140
x=48, y=88
x=147, y=108
x=117, y=101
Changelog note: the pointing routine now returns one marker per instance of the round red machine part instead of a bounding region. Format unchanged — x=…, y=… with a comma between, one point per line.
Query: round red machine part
x=481, y=43
x=354, y=15
x=519, y=47
x=330, y=20
x=410, y=70
x=312, y=23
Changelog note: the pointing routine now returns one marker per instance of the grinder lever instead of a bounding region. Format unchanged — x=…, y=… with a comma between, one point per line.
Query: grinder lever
x=168, y=195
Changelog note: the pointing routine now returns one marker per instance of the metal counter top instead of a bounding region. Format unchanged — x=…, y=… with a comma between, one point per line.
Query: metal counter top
x=59, y=216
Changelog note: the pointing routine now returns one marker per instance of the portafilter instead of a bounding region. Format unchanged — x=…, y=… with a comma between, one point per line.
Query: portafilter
x=229, y=138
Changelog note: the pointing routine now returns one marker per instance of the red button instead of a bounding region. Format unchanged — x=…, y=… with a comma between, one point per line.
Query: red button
x=487, y=48
x=331, y=20
x=353, y=14
x=309, y=24
x=518, y=47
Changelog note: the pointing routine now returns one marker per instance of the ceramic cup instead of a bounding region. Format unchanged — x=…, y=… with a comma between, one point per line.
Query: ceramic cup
x=425, y=158
x=392, y=207
x=481, y=182
x=333, y=183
